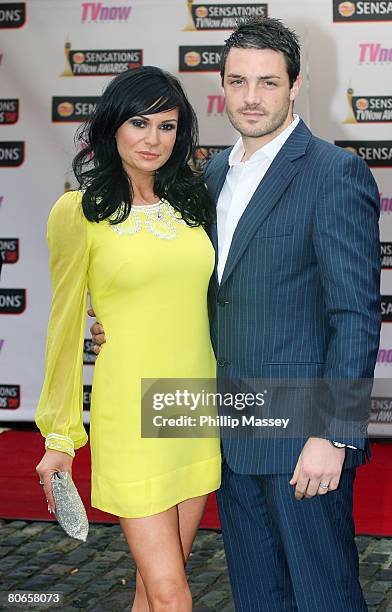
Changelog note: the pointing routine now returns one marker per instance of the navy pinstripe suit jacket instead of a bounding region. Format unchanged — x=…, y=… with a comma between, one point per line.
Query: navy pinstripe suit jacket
x=299, y=295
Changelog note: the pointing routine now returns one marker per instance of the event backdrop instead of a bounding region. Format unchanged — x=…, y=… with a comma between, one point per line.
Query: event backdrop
x=55, y=58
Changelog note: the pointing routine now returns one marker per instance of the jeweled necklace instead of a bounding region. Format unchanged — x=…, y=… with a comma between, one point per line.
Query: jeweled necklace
x=159, y=219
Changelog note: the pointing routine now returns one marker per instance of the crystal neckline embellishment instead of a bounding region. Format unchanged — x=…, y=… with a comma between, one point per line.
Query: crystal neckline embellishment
x=149, y=206
x=159, y=219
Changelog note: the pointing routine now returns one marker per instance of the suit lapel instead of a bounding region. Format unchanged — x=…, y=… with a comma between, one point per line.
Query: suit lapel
x=269, y=191
x=215, y=184
x=213, y=234
x=217, y=180
x=266, y=196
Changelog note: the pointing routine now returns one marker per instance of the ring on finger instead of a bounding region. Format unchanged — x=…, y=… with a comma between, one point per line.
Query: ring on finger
x=324, y=485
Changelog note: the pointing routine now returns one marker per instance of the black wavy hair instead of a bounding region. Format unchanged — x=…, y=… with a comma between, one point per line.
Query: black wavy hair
x=107, y=190
x=265, y=33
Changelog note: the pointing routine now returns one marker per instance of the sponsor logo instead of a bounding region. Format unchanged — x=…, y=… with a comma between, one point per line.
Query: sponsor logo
x=97, y=12
x=9, y=111
x=200, y=58
x=221, y=16
x=12, y=301
x=386, y=255
x=100, y=62
x=204, y=153
x=368, y=109
x=381, y=410
x=216, y=105
x=89, y=356
x=9, y=251
x=346, y=9
x=385, y=204
x=386, y=308
x=12, y=15
x=9, y=396
x=86, y=397
x=11, y=153
x=362, y=10
x=374, y=53
x=73, y=108
x=377, y=154
x=384, y=356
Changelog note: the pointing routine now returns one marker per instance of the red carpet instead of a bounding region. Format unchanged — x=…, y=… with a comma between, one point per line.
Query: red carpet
x=21, y=495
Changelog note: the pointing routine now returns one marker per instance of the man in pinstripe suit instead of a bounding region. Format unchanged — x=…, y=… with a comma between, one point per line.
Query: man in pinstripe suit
x=295, y=295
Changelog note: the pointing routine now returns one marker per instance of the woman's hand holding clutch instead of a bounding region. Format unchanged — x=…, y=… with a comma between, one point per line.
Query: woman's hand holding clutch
x=52, y=461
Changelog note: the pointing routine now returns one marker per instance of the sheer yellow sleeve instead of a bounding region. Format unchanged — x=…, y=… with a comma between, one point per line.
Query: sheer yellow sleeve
x=60, y=408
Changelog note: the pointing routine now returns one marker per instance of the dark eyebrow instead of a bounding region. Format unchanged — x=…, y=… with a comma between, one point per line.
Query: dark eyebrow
x=263, y=78
x=164, y=121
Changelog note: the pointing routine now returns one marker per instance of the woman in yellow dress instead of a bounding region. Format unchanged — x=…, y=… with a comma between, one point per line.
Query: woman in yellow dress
x=134, y=237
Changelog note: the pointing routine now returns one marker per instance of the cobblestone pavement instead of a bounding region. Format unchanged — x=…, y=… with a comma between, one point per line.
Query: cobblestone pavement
x=37, y=557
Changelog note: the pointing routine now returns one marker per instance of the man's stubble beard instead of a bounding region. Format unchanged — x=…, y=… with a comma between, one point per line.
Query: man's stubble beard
x=272, y=125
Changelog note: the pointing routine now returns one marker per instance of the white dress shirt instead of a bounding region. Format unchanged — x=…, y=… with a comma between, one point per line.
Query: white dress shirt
x=241, y=182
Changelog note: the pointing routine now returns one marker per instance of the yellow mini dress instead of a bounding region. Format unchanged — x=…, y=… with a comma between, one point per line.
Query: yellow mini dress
x=148, y=279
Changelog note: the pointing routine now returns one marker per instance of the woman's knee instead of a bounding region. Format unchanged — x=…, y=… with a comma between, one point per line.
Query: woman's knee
x=170, y=594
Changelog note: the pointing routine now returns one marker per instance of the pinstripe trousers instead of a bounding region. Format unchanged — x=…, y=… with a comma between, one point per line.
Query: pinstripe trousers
x=287, y=555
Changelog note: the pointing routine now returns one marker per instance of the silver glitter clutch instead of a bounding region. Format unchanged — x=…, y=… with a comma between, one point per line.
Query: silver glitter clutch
x=70, y=511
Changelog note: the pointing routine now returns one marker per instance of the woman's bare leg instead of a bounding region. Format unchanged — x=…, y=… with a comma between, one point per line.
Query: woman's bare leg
x=190, y=513
x=155, y=544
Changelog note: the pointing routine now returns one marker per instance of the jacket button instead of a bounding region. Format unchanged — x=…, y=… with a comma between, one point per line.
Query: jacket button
x=223, y=301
